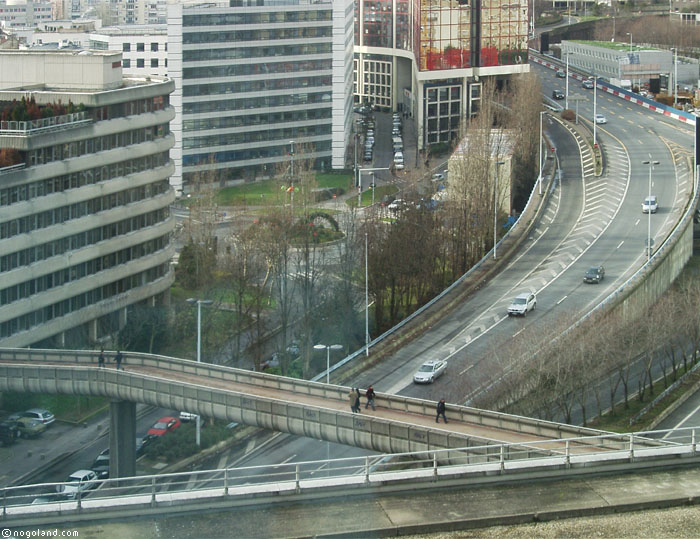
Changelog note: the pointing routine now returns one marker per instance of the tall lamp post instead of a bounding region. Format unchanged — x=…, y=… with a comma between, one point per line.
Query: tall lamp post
x=366, y=296
x=675, y=76
x=595, y=107
x=651, y=164
x=566, y=93
x=328, y=349
x=495, y=207
x=199, y=303
x=540, y=154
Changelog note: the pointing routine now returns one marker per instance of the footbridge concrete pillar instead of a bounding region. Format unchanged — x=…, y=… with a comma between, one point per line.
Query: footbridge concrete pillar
x=122, y=439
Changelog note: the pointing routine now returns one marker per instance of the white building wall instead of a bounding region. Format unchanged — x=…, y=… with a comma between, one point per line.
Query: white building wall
x=175, y=71
x=137, y=44
x=343, y=46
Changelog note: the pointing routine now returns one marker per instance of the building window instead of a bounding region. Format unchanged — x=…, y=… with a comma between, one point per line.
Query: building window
x=139, y=47
x=154, y=62
x=126, y=47
x=139, y=62
x=154, y=47
x=126, y=63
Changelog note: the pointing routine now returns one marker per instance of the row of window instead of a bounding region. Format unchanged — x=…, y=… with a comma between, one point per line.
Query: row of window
x=63, y=214
x=58, y=278
x=235, y=36
x=258, y=102
x=224, y=19
x=141, y=47
x=77, y=148
x=246, y=154
x=225, y=122
x=271, y=135
x=301, y=49
x=66, y=306
x=140, y=62
x=257, y=68
x=129, y=108
x=60, y=246
x=249, y=86
x=58, y=184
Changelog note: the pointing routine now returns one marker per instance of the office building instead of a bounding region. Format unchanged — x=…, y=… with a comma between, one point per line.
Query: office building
x=24, y=13
x=429, y=58
x=256, y=80
x=144, y=47
x=84, y=190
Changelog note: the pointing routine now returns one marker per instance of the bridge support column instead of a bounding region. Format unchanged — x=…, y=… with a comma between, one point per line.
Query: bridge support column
x=122, y=439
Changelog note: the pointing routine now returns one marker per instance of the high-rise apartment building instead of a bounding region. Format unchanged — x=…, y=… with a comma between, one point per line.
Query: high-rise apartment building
x=428, y=58
x=255, y=78
x=84, y=192
x=23, y=13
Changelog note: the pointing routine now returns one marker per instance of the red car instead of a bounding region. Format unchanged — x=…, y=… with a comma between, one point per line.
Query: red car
x=163, y=425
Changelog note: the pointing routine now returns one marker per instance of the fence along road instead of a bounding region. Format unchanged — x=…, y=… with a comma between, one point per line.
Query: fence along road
x=299, y=407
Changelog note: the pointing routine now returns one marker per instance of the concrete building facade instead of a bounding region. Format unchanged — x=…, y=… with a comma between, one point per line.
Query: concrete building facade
x=24, y=13
x=428, y=58
x=255, y=80
x=84, y=189
x=144, y=47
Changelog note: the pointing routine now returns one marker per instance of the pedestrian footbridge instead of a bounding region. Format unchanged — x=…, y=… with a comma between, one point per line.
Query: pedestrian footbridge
x=299, y=407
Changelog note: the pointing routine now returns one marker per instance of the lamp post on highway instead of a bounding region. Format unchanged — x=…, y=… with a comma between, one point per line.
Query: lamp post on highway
x=495, y=206
x=540, y=154
x=199, y=303
x=651, y=164
x=566, y=93
x=675, y=76
x=595, y=107
x=328, y=349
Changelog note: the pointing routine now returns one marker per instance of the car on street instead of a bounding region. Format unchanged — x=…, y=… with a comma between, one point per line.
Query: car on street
x=557, y=94
x=101, y=466
x=368, y=156
x=587, y=84
x=522, y=304
x=429, y=371
x=78, y=482
x=594, y=274
x=186, y=417
x=561, y=74
x=30, y=428
x=164, y=425
x=9, y=432
x=438, y=177
x=399, y=165
x=600, y=119
x=387, y=199
x=40, y=414
x=650, y=205
x=397, y=205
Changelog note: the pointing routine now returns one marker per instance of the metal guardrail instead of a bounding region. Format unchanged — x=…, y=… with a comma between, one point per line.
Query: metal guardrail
x=511, y=462
x=32, y=127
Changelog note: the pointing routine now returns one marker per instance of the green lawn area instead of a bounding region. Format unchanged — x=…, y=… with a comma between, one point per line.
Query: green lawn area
x=271, y=192
x=615, y=45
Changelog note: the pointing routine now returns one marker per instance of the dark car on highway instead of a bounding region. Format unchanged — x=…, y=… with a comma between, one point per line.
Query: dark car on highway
x=557, y=94
x=594, y=274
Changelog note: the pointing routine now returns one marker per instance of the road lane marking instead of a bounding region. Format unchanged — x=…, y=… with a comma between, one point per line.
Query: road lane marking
x=465, y=370
x=620, y=244
x=562, y=299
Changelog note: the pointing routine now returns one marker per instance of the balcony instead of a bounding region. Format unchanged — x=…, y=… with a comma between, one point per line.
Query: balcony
x=44, y=125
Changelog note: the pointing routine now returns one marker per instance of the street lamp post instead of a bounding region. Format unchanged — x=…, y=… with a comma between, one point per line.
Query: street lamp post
x=495, y=207
x=595, y=106
x=566, y=93
x=199, y=303
x=675, y=76
x=328, y=349
x=651, y=164
x=540, y=154
x=366, y=296
x=630, y=34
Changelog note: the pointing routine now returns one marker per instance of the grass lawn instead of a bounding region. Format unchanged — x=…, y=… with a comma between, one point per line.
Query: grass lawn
x=367, y=195
x=271, y=192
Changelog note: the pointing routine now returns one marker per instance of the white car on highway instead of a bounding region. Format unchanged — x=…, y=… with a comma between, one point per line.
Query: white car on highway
x=429, y=371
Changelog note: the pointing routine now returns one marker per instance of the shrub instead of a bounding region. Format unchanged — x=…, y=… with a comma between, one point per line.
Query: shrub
x=568, y=115
x=181, y=443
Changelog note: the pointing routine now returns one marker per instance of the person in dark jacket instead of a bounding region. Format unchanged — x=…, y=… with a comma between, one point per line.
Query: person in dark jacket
x=357, y=401
x=370, y=398
x=101, y=358
x=118, y=360
x=440, y=411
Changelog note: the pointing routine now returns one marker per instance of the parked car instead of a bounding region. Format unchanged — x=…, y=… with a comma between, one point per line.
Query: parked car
x=561, y=74
x=594, y=274
x=522, y=304
x=9, y=432
x=164, y=425
x=40, y=414
x=429, y=371
x=438, y=177
x=557, y=94
x=600, y=119
x=78, y=482
x=397, y=205
x=587, y=84
x=387, y=200
x=186, y=417
x=399, y=165
x=30, y=428
x=101, y=466
x=650, y=205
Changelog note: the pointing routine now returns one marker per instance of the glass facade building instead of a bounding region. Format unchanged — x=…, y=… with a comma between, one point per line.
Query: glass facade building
x=426, y=57
x=84, y=197
x=253, y=76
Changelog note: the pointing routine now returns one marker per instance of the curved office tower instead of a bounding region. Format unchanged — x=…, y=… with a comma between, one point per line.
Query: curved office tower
x=84, y=196
x=429, y=58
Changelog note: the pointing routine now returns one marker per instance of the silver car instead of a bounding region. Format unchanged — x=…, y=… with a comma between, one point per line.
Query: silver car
x=429, y=371
x=522, y=304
